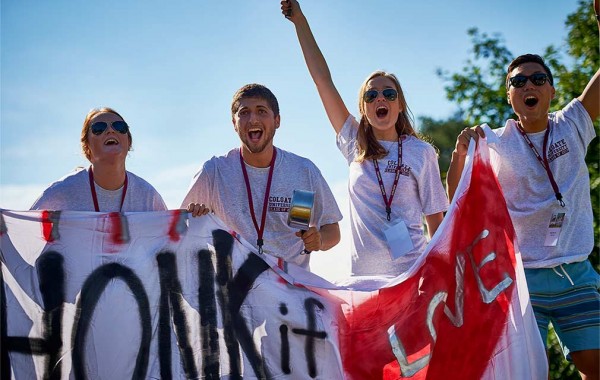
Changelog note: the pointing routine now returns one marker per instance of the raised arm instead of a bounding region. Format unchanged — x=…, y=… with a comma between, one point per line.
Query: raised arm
x=317, y=66
x=459, y=155
x=457, y=164
x=590, y=97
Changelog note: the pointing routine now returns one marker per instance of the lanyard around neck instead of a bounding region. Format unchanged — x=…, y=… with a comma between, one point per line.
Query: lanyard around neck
x=543, y=160
x=388, y=202
x=95, y=197
x=259, y=230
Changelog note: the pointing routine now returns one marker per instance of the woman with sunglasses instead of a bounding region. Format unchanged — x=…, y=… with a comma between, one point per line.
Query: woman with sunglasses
x=394, y=175
x=105, y=186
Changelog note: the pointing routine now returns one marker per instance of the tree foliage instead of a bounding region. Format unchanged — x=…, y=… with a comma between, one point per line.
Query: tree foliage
x=443, y=134
x=479, y=89
x=479, y=92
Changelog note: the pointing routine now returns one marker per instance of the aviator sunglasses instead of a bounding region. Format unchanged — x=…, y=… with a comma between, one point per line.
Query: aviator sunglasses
x=99, y=127
x=389, y=94
x=520, y=80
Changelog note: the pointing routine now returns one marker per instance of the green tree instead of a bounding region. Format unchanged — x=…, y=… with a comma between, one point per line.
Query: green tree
x=480, y=93
x=442, y=134
x=479, y=89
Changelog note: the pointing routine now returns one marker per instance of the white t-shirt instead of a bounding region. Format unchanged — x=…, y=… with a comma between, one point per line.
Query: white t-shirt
x=220, y=185
x=419, y=192
x=73, y=193
x=529, y=194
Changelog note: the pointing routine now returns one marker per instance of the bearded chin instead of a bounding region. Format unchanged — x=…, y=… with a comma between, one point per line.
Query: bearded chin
x=257, y=149
x=262, y=146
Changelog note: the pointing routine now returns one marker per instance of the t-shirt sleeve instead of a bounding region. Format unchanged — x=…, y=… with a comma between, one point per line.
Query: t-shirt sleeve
x=346, y=139
x=575, y=114
x=200, y=186
x=153, y=200
x=48, y=201
x=431, y=191
x=158, y=203
x=57, y=196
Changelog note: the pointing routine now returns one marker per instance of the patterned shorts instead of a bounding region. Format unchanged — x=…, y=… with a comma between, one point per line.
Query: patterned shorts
x=567, y=295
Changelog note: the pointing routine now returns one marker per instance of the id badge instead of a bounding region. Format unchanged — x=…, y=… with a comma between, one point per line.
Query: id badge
x=554, y=227
x=398, y=239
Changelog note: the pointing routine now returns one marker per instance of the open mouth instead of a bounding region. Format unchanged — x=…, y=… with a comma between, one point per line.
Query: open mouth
x=255, y=134
x=381, y=111
x=111, y=141
x=531, y=101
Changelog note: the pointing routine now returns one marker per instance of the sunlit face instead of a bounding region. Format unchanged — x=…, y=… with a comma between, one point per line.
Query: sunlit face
x=255, y=123
x=110, y=146
x=530, y=102
x=382, y=114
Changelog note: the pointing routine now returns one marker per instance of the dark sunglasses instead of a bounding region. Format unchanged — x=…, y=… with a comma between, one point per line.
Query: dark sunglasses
x=99, y=127
x=520, y=80
x=389, y=94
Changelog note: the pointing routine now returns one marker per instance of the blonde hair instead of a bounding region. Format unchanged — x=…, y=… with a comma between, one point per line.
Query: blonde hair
x=85, y=145
x=368, y=146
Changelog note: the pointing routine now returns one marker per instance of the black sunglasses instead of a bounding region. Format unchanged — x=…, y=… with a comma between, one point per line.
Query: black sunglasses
x=389, y=94
x=99, y=127
x=520, y=80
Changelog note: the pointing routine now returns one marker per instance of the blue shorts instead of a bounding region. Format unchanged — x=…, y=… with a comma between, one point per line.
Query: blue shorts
x=567, y=295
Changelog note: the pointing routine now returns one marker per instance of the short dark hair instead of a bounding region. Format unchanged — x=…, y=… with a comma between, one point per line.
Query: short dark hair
x=254, y=90
x=525, y=58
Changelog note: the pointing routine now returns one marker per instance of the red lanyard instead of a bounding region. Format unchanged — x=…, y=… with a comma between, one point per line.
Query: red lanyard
x=259, y=230
x=388, y=202
x=544, y=160
x=95, y=197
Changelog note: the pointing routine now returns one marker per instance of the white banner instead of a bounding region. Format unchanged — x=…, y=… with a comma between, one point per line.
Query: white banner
x=161, y=295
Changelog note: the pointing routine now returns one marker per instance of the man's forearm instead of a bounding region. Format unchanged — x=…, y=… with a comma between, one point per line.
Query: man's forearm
x=330, y=236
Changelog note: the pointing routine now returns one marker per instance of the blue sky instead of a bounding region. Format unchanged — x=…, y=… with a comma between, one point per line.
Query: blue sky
x=171, y=68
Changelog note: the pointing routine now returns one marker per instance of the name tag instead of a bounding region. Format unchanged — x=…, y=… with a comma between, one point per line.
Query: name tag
x=398, y=239
x=554, y=227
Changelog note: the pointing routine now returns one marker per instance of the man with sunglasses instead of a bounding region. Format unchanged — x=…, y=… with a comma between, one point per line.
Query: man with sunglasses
x=105, y=186
x=250, y=188
x=540, y=163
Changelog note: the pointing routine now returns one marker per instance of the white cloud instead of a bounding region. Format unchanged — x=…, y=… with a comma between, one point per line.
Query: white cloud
x=19, y=197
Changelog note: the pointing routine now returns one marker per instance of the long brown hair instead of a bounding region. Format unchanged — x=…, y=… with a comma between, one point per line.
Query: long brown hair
x=368, y=146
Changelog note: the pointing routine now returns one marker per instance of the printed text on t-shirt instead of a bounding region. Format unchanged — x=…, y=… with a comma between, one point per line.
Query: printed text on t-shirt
x=391, y=168
x=557, y=149
x=279, y=204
